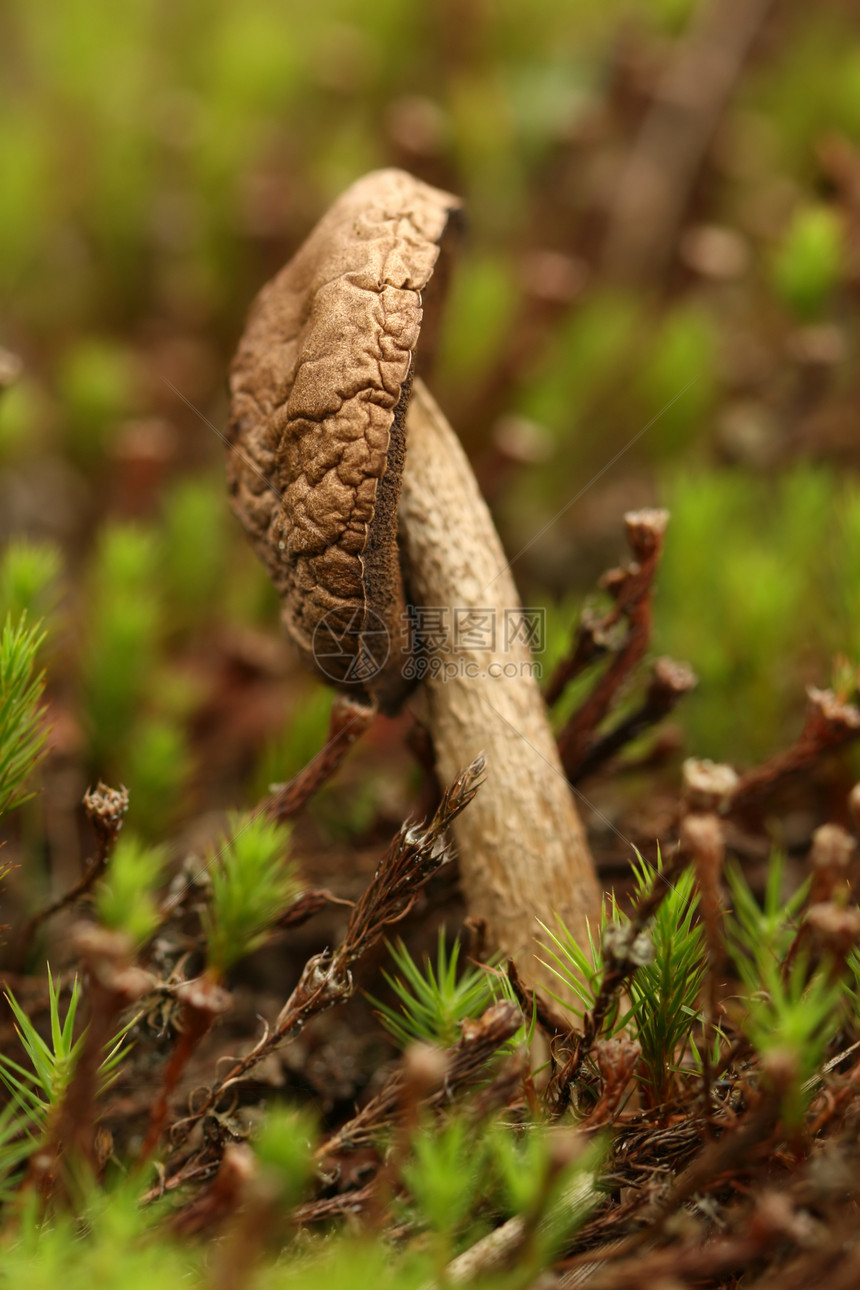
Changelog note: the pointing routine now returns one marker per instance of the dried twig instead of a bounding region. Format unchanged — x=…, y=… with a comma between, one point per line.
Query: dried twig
x=630, y=587
x=670, y=681
x=480, y=1040
x=830, y=724
x=596, y=636
x=349, y=720
x=702, y=837
x=105, y=808
x=415, y=854
x=203, y=1000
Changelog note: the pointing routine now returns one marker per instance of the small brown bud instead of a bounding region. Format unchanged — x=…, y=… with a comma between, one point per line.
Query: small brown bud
x=11, y=367
x=836, y=928
x=616, y=1059
x=645, y=531
x=109, y=958
x=832, y=848
x=703, y=836
x=673, y=678
x=836, y=714
x=621, y=946
x=708, y=785
x=829, y=858
x=106, y=808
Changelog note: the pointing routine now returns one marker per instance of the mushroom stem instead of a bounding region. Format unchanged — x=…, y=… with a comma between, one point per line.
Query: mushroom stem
x=523, y=853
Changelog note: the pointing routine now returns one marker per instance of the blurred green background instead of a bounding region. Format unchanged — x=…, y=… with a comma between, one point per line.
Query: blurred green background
x=664, y=232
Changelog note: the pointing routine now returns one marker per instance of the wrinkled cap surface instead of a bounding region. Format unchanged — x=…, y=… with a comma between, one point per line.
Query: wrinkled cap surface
x=319, y=390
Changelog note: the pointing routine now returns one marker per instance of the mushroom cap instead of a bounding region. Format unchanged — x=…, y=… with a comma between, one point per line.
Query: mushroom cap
x=319, y=389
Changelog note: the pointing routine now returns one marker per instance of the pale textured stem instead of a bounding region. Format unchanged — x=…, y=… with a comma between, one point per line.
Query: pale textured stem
x=522, y=849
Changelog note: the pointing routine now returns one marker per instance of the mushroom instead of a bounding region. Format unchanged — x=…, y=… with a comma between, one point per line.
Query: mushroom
x=363, y=507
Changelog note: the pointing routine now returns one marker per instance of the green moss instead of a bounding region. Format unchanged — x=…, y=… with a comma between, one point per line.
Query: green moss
x=677, y=382
x=757, y=592
x=24, y=414
x=590, y=347
x=23, y=736
x=95, y=384
x=304, y=735
x=810, y=261
x=252, y=884
x=125, y=897
x=158, y=765
x=194, y=549
x=124, y=623
x=28, y=579
x=477, y=318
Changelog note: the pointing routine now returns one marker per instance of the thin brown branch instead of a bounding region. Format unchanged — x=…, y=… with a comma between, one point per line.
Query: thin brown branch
x=702, y=836
x=830, y=724
x=105, y=808
x=466, y=1059
x=593, y=640
x=670, y=682
x=203, y=1000
x=631, y=589
x=349, y=720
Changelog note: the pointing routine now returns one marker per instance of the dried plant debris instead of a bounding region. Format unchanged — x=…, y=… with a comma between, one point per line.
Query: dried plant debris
x=620, y=636
x=416, y=853
x=691, y=1119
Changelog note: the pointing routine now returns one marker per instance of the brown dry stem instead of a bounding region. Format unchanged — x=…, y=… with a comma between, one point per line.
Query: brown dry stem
x=631, y=589
x=349, y=720
x=830, y=724
x=105, y=808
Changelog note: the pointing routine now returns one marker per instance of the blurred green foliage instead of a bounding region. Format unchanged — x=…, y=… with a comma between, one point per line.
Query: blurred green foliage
x=284, y=1148
x=157, y=168
x=769, y=567
x=304, y=736
x=194, y=548
x=125, y=897
x=23, y=736
x=808, y=264
x=28, y=579
x=130, y=702
x=95, y=385
x=124, y=622
x=252, y=885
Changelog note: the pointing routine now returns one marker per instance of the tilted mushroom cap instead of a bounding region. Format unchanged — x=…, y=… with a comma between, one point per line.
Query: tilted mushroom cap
x=319, y=390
